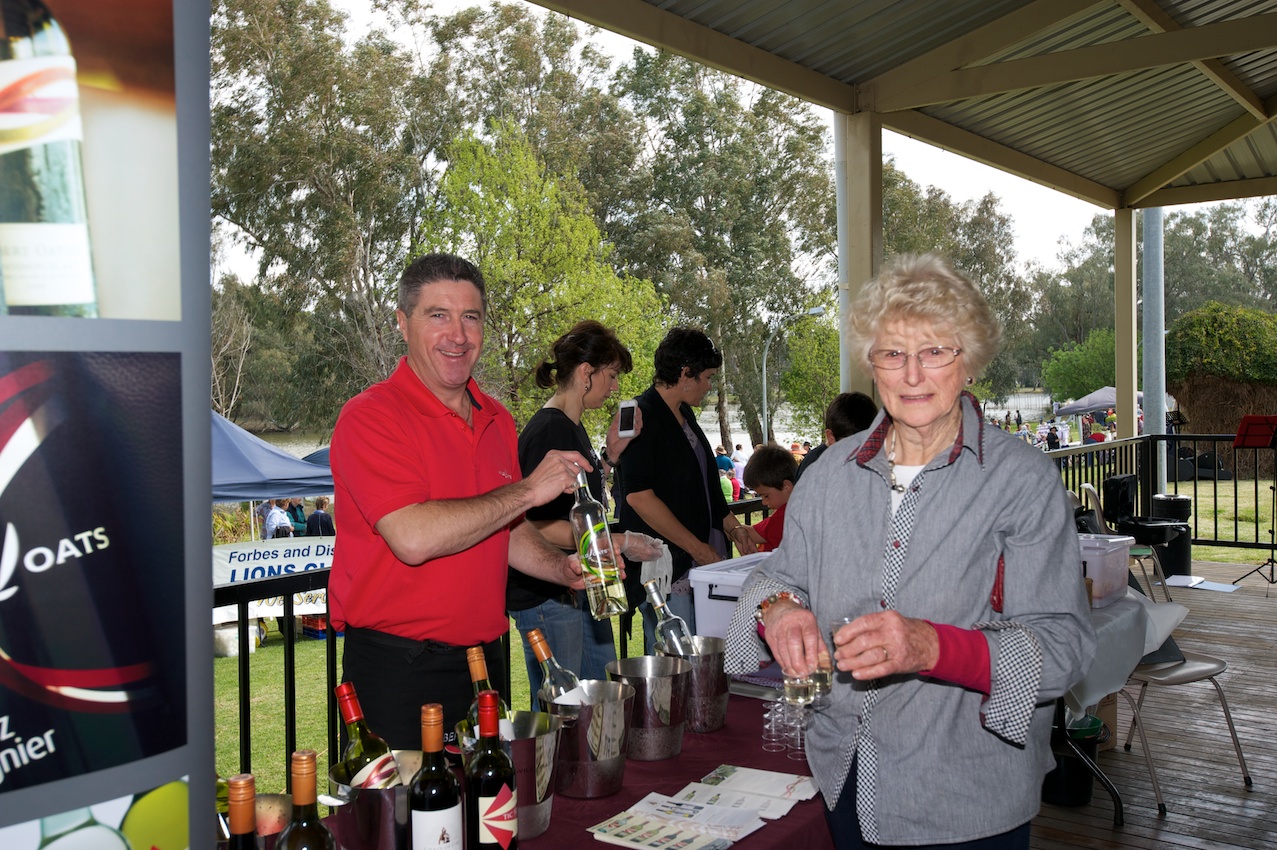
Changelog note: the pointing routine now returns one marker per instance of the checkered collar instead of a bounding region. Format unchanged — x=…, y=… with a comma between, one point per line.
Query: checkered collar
x=972, y=422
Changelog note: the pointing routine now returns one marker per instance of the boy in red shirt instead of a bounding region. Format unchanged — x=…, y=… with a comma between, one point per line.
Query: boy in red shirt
x=770, y=473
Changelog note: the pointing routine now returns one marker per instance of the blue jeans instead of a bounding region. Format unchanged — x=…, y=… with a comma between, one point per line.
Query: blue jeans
x=579, y=642
x=682, y=605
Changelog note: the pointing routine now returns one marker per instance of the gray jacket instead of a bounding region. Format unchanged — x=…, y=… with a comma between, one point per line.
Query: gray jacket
x=953, y=765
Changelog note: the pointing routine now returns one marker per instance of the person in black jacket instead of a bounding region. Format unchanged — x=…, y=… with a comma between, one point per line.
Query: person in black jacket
x=320, y=522
x=668, y=478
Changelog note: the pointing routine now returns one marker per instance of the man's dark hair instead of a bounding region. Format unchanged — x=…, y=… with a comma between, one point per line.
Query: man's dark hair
x=435, y=267
x=849, y=413
x=684, y=347
x=770, y=466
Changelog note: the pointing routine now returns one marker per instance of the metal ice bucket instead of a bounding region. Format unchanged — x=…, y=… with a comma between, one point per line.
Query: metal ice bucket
x=707, y=691
x=660, y=699
x=592, y=746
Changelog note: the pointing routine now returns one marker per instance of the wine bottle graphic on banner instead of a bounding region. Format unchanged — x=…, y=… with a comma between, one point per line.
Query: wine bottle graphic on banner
x=90, y=677
x=44, y=235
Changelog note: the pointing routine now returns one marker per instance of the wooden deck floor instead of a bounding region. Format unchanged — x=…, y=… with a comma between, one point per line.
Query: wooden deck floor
x=1208, y=805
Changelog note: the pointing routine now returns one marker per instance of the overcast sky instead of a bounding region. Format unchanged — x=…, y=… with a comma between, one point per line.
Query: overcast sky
x=1042, y=217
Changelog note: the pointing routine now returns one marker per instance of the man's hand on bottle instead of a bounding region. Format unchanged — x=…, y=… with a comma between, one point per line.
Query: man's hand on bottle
x=556, y=474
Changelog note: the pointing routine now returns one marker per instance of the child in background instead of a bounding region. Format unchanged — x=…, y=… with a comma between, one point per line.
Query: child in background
x=770, y=473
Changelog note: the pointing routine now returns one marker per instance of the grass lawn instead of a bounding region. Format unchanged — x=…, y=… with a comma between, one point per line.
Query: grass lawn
x=267, y=688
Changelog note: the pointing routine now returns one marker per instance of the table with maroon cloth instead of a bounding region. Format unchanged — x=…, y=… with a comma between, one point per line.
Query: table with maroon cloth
x=739, y=743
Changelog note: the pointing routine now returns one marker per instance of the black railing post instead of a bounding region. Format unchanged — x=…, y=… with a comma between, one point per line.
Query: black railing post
x=290, y=687
x=1146, y=463
x=245, y=692
x=330, y=652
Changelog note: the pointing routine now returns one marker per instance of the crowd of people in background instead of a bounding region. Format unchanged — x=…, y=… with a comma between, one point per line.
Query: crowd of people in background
x=288, y=518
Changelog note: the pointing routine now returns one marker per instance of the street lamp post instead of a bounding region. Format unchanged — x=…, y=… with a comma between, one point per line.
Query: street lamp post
x=814, y=311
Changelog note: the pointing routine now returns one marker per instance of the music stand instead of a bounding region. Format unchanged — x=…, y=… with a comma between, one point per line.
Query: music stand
x=1260, y=432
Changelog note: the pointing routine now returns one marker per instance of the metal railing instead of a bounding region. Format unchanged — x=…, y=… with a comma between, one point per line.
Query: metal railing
x=1221, y=481
x=287, y=587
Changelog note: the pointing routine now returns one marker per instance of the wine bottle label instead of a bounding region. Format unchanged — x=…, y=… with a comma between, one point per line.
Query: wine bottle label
x=440, y=830
x=46, y=263
x=499, y=818
x=382, y=772
x=39, y=102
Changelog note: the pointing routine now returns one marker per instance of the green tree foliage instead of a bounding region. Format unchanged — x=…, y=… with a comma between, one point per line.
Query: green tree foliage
x=811, y=380
x=1076, y=370
x=976, y=237
x=542, y=258
x=1222, y=341
x=728, y=213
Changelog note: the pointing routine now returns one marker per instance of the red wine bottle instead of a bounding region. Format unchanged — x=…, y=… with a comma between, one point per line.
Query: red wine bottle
x=367, y=761
x=492, y=815
x=435, y=793
x=44, y=234
x=241, y=798
x=305, y=831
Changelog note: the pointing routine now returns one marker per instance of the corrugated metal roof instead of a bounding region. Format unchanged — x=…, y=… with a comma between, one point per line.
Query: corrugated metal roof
x=1153, y=128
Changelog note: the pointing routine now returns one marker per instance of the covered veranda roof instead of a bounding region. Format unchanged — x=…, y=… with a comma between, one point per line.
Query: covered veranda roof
x=1124, y=103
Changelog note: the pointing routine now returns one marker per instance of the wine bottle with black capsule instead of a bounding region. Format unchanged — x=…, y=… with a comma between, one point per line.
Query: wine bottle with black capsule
x=437, y=822
x=305, y=831
x=44, y=235
x=242, y=812
x=367, y=760
x=492, y=810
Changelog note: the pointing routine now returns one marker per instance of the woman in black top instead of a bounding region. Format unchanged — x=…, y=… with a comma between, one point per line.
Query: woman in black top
x=668, y=477
x=583, y=369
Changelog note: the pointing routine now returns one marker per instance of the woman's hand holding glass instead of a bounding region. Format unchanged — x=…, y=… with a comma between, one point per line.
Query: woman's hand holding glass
x=882, y=644
x=794, y=638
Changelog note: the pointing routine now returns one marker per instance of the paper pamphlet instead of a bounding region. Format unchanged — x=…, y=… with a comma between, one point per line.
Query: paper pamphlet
x=770, y=783
x=631, y=829
x=710, y=795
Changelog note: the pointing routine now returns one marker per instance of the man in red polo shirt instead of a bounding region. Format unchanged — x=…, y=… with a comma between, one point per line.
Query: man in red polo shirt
x=427, y=467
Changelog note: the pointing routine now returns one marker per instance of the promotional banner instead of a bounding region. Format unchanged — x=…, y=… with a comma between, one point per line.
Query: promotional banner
x=91, y=563
x=240, y=562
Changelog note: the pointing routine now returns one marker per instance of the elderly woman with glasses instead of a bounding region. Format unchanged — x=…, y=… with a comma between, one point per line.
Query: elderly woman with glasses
x=937, y=561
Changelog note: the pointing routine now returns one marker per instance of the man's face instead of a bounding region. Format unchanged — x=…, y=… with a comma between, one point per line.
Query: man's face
x=444, y=334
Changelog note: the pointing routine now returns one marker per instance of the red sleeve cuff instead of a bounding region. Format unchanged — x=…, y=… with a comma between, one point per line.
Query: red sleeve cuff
x=963, y=659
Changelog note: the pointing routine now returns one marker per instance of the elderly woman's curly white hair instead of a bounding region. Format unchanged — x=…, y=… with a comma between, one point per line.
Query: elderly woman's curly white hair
x=925, y=288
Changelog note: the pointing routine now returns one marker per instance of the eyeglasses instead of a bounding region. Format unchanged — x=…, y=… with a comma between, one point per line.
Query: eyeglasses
x=935, y=357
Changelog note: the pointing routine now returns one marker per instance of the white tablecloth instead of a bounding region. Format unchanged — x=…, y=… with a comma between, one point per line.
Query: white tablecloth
x=1125, y=632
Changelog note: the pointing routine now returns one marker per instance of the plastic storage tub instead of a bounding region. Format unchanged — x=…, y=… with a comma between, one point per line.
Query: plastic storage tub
x=1107, y=559
x=716, y=587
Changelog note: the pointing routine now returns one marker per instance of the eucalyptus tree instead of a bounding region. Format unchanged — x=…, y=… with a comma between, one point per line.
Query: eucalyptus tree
x=730, y=210
x=543, y=259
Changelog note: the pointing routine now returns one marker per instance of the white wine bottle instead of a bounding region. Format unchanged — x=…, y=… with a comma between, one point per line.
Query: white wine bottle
x=604, y=590
x=479, y=678
x=672, y=627
x=367, y=760
x=44, y=235
x=556, y=680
